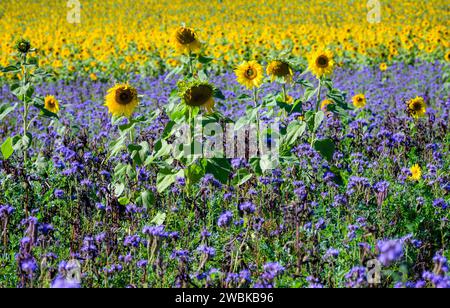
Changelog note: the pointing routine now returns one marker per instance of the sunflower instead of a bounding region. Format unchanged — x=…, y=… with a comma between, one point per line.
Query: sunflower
x=122, y=100
x=447, y=56
x=359, y=101
x=198, y=94
x=51, y=104
x=185, y=40
x=383, y=67
x=416, y=107
x=325, y=103
x=321, y=63
x=416, y=173
x=23, y=46
x=250, y=74
x=280, y=69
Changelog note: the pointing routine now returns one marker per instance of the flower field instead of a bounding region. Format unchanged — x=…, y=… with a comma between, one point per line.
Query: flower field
x=224, y=144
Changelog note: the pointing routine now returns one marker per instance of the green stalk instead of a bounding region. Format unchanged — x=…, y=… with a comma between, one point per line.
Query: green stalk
x=25, y=106
x=317, y=108
x=255, y=100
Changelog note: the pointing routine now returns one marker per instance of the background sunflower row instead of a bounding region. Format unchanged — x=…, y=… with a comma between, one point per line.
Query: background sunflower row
x=124, y=35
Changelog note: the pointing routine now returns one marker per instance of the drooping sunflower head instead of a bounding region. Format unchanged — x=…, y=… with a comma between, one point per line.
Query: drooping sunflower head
x=325, y=103
x=185, y=40
x=447, y=56
x=383, y=67
x=359, y=101
x=281, y=70
x=23, y=46
x=122, y=100
x=416, y=107
x=416, y=173
x=250, y=74
x=198, y=94
x=51, y=104
x=321, y=63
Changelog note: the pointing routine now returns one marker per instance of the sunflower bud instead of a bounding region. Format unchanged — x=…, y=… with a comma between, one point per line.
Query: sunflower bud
x=23, y=46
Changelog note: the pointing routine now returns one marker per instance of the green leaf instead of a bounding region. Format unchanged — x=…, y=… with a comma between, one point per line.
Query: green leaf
x=295, y=130
x=326, y=148
x=166, y=177
x=194, y=173
x=318, y=119
x=309, y=93
x=124, y=201
x=244, y=97
x=218, y=94
x=220, y=168
x=119, y=189
x=256, y=165
x=7, y=148
x=159, y=219
x=5, y=110
x=242, y=177
x=10, y=69
x=305, y=83
x=147, y=198
x=204, y=59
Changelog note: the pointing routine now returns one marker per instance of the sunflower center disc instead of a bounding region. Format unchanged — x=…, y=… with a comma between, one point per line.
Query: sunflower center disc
x=124, y=97
x=322, y=61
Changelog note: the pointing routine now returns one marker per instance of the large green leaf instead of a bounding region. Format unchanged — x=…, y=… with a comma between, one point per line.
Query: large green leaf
x=7, y=148
x=326, y=148
x=5, y=110
x=220, y=168
x=166, y=177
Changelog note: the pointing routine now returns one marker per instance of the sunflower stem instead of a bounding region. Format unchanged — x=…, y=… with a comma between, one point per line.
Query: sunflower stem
x=191, y=68
x=255, y=99
x=285, y=98
x=319, y=91
x=25, y=105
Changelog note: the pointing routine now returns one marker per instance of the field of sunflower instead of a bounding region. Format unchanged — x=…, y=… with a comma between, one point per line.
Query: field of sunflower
x=224, y=144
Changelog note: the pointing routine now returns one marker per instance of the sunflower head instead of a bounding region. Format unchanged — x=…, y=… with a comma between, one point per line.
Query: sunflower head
x=321, y=63
x=416, y=173
x=51, y=104
x=416, y=107
x=325, y=103
x=359, y=101
x=23, y=46
x=250, y=74
x=185, y=40
x=383, y=67
x=447, y=56
x=197, y=94
x=281, y=70
x=122, y=100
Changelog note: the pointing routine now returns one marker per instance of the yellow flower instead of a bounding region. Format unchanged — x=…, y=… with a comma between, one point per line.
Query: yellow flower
x=383, y=67
x=359, y=101
x=447, y=56
x=185, y=40
x=51, y=104
x=122, y=100
x=325, y=104
x=289, y=100
x=416, y=173
x=199, y=95
x=280, y=69
x=321, y=63
x=250, y=74
x=93, y=77
x=416, y=107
